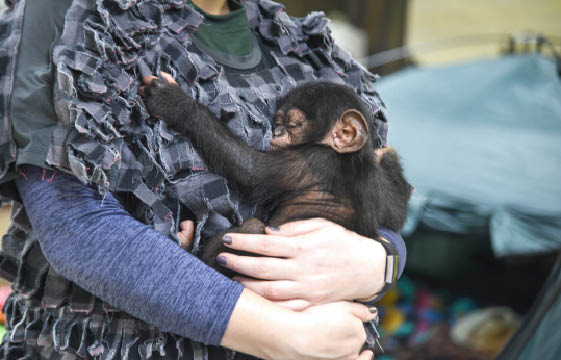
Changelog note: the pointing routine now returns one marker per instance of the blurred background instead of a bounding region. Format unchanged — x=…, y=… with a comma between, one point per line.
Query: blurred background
x=473, y=91
x=434, y=31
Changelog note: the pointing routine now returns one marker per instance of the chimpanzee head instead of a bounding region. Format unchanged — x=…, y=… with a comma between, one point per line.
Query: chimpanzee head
x=322, y=112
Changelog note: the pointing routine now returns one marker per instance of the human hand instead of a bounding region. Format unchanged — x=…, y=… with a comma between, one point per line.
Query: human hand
x=338, y=331
x=308, y=262
x=329, y=331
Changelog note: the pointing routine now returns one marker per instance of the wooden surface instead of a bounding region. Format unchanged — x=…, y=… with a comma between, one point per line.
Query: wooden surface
x=438, y=20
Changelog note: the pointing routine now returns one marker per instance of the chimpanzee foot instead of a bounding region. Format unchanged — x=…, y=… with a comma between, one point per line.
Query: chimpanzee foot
x=252, y=226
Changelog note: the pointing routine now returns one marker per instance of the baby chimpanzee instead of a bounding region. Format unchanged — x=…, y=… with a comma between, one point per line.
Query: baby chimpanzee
x=323, y=163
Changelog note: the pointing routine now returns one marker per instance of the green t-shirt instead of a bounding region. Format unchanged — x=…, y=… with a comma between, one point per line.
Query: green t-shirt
x=228, y=38
x=228, y=33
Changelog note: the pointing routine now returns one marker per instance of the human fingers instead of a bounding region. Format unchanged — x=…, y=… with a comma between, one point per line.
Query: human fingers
x=187, y=228
x=294, y=304
x=186, y=234
x=366, y=355
x=273, y=290
x=266, y=245
x=337, y=329
x=298, y=227
x=168, y=78
x=184, y=242
x=147, y=80
x=360, y=311
x=265, y=268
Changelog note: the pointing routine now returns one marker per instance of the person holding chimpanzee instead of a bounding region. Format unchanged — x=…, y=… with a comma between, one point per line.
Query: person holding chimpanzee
x=103, y=189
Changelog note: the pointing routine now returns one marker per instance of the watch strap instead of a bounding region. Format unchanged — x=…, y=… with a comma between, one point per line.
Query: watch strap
x=391, y=270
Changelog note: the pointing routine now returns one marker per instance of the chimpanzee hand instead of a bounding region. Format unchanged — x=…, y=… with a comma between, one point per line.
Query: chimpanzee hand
x=308, y=262
x=162, y=96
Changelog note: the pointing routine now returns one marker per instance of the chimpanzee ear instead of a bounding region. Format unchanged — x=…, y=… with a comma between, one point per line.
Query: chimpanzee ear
x=349, y=134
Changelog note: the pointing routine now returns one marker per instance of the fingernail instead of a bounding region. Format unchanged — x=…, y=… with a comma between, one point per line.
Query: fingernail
x=227, y=239
x=373, y=310
x=221, y=260
x=273, y=228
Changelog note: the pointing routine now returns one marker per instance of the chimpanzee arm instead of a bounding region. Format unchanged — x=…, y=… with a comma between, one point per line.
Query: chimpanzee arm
x=224, y=153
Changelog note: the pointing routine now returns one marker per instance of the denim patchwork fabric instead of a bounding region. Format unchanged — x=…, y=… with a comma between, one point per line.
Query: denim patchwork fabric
x=105, y=137
x=11, y=23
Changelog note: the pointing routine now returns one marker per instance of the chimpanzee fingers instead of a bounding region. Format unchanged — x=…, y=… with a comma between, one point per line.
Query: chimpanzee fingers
x=264, y=268
x=168, y=78
x=281, y=290
x=150, y=84
x=299, y=227
x=387, y=153
x=267, y=245
x=142, y=90
x=147, y=80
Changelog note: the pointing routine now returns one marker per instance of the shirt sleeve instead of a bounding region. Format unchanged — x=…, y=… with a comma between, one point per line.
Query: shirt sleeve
x=95, y=243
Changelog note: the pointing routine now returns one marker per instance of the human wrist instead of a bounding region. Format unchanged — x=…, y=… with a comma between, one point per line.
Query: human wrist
x=389, y=271
x=374, y=265
x=260, y=328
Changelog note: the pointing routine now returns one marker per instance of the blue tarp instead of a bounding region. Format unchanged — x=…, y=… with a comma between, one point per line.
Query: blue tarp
x=481, y=142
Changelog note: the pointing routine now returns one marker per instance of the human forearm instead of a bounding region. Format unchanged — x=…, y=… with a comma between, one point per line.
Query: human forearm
x=331, y=331
x=249, y=329
x=94, y=242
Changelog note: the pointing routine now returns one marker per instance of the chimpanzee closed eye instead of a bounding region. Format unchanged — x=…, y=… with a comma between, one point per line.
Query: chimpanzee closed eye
x=323, y=163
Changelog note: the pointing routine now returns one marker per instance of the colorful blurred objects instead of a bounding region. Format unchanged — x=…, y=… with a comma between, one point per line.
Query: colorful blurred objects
x=420, y=323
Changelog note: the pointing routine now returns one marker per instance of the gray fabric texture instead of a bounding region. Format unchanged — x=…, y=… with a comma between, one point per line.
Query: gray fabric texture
x=11, y=23
x=32, y=112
